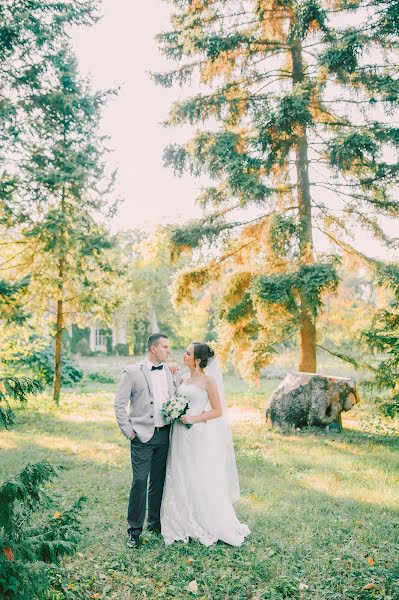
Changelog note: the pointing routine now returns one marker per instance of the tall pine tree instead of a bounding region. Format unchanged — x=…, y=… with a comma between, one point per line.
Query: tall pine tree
x=69, y=200
x=29, y=31
x=296, y=134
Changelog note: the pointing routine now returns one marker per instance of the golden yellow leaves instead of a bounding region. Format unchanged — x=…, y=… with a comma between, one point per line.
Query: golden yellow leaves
x=340, y=4
x=222, y=66
x=196, y=6
x=188, y=283
x=241, y=145
x=238, y=104
x=274, y=19
x=236, y=286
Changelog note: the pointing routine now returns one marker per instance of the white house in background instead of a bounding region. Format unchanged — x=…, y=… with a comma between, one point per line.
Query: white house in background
x=99, y=337
x=99, y=334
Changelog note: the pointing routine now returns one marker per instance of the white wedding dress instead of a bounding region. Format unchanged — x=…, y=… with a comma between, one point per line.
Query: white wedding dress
x=196, y=500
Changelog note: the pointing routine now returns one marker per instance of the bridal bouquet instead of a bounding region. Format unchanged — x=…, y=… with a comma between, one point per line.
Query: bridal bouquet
x=174, y=408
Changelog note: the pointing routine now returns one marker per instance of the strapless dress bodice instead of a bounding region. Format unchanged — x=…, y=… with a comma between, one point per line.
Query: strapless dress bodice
x=196, y=397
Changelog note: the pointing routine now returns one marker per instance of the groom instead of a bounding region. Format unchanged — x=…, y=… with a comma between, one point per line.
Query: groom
x=142, y=391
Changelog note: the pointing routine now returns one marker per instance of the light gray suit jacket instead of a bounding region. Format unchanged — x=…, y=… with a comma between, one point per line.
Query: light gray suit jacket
x=134, y=401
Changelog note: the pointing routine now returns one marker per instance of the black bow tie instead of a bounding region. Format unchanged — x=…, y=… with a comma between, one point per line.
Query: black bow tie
x=153, y=368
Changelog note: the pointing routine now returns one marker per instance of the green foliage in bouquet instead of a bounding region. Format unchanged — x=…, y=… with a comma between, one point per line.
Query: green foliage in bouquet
x=174, y=408
x=32, y=538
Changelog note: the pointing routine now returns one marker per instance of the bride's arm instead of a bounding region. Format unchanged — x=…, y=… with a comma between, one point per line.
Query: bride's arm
x=216, y=406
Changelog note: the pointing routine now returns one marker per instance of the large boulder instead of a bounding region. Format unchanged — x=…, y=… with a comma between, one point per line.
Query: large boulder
x=304, y=399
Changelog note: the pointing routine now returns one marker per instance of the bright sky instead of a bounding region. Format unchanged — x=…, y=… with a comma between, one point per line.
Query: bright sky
x=119, y=51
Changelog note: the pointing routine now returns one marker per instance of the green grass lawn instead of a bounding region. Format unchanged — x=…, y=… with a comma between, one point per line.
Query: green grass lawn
x=323, y=508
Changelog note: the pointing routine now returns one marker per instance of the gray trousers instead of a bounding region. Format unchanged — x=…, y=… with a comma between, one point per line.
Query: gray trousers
x=148, y=460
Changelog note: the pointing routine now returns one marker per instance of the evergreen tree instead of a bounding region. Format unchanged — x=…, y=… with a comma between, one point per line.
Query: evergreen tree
x=299, y=139
x=13, y=388
x=30, y=538
x=382, y=339
x=29, y=31
x=69, y=244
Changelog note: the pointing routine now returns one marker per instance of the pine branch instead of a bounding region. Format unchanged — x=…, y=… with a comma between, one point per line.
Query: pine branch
x=349, y=359
x=350, y=249
x=17, y=389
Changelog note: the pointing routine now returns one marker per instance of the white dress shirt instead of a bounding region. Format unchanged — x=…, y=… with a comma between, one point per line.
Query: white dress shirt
x=160, y=392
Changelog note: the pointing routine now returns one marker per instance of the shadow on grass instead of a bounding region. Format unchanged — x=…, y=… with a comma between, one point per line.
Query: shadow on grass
x=300, y=536
x=74, y=426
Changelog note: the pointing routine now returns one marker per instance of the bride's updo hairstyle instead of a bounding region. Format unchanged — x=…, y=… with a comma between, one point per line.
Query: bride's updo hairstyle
x=203, y=352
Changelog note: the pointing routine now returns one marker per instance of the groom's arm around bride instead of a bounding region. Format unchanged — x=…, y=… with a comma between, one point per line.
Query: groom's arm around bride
x=134, y=400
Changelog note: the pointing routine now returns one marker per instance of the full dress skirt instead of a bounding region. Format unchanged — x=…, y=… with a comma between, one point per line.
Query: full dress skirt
x=196, y=500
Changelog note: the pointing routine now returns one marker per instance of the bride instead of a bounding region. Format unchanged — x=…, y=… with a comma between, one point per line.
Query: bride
x=201, y=481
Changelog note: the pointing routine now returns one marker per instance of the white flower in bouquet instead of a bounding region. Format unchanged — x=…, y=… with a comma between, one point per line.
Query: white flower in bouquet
x=174, y=408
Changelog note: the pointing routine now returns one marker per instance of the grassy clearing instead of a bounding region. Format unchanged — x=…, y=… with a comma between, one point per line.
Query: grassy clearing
x=323, y=508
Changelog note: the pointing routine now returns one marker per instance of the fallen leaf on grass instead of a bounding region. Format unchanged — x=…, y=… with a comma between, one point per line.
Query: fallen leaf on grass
x=303, y=586
x=8, y=553
x=369, y=586
x=96, y=595
x=56, y=515
x=193, y=587
x=370, y=561
x=189, y=561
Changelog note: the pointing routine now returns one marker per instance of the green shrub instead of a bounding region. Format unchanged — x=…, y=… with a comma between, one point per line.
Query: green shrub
x=41, y=362
x=83, y=347
x=101, y=377
x=122, y=349
x=390, y=407
x=31, y=537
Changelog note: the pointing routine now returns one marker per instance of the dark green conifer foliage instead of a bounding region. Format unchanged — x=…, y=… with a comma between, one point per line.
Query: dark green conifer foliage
x=382, y=339
x=13, y=388
x=32, y=537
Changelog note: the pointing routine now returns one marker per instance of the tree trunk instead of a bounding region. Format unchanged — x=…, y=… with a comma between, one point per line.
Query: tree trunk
x=304, y=399
x=154, y=321
x=307, y=360
x=60, y=312
x=58, y=336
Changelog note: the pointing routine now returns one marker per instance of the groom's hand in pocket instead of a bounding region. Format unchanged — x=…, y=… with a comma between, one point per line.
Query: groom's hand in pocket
x=133, y=436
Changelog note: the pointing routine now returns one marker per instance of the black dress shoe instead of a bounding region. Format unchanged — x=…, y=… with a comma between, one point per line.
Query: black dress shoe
x=133, y=541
